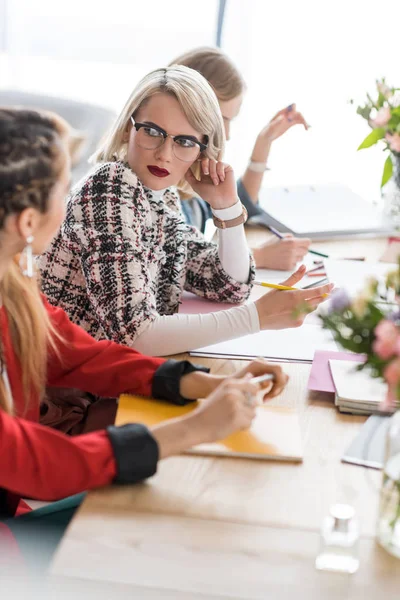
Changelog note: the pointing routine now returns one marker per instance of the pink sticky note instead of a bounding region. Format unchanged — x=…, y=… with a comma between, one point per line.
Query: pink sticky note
x=320, y=378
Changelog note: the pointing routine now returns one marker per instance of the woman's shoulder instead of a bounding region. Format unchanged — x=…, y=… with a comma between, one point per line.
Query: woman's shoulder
x=107, y=178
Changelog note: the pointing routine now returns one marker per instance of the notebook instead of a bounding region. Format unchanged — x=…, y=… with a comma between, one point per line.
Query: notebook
x=320, y=378
x=356, y=391
x=304, y=209
x=274, y=434
x=368, y=447
x=296, y=344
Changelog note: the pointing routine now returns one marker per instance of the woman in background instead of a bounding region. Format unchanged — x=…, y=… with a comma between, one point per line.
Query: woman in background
x=229, y=87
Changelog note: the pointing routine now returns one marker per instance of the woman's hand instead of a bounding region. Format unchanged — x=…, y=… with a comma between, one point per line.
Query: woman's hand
x=281, y=254
x=281, y=122
x=267, y=389
x=217, y=185
x=276, y=309
x=231, y=407
x=277, y=126
x=198, y=384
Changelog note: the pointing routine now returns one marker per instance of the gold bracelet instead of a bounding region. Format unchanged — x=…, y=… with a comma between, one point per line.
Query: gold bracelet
x=231, y=222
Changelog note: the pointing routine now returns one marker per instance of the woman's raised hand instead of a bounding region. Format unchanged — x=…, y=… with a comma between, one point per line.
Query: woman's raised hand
x=281, y=122
x=217, y=185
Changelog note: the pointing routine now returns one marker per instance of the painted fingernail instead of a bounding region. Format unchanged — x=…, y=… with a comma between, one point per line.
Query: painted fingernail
x=206, y=172
x=290, y=107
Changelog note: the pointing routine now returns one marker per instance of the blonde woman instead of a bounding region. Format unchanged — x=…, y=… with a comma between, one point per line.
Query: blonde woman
x=40, y=346
x=125, y=255
x=229, y=87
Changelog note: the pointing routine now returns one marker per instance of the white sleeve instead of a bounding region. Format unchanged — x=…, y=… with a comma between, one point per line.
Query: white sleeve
x=233, y=250
x=171, y=334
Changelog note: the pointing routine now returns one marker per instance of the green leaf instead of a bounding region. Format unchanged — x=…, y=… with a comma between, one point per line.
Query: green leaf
x=373, y=137
x=387, y=171
x=381, y=100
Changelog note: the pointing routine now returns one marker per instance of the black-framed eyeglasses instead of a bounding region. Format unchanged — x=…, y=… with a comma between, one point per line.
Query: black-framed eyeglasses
x=150, y=136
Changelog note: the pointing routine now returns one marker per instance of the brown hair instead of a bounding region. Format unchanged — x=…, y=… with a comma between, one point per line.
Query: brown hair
x=32, y=156
x=217, y=68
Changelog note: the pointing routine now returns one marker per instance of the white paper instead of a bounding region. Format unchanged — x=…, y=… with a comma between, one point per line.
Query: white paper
x=296, y=344
x=352, y=275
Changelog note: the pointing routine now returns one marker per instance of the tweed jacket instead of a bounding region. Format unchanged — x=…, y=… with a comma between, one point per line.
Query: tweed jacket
x=124, y=255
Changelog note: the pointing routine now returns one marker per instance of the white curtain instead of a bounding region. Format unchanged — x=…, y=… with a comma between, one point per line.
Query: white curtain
x=320, y=55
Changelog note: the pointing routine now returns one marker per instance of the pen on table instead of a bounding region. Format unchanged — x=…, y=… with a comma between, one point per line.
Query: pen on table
x=280, y=236
x=278, y=286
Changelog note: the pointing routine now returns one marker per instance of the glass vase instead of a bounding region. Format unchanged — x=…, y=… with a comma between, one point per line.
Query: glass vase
x=389, y=505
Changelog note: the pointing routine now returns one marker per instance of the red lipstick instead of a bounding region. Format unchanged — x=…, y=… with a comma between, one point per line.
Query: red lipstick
x=157, y=171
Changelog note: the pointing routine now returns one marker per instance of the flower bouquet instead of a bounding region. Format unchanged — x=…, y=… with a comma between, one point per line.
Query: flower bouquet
x=383, y=116
x=369, y=324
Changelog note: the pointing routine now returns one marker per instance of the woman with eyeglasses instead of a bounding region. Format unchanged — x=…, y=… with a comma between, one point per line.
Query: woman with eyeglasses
x=125, y=255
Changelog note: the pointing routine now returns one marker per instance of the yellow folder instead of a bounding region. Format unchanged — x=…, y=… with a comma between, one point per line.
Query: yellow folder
x=274, y=434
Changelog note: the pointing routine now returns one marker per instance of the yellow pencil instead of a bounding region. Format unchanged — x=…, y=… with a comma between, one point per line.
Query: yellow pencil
x=274, y=286
x=277, y=286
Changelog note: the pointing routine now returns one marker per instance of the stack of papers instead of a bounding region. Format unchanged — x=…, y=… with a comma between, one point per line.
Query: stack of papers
x=356, y=391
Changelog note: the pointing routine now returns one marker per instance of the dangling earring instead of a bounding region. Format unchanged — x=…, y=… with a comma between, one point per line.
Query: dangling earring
x=26, y=260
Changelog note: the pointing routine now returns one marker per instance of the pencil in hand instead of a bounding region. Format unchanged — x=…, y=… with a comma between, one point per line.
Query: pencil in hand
x=278, y=286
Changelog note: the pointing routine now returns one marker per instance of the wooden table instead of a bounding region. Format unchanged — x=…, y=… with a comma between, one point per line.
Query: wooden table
x=208, y=527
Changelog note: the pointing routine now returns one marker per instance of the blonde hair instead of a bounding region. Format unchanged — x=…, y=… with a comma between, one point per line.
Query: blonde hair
x=32, y=156
x=217, y=68
x=197, y=100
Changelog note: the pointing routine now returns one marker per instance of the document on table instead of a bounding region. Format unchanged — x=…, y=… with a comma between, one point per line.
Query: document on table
x=293, y=345
x=352, y=275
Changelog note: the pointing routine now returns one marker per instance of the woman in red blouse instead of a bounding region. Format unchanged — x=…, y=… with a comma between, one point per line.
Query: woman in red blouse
x=39, y=346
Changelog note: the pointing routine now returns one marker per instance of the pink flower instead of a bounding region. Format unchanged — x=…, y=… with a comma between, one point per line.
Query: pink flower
x=394, y=141
x=382, y=117
x=386, y=339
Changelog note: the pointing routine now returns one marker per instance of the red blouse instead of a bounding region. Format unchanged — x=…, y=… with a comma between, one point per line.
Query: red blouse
x=39, y=462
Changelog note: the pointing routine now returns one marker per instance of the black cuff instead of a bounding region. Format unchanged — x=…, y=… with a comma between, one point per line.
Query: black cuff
x=135, y=450
x=167, y=379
